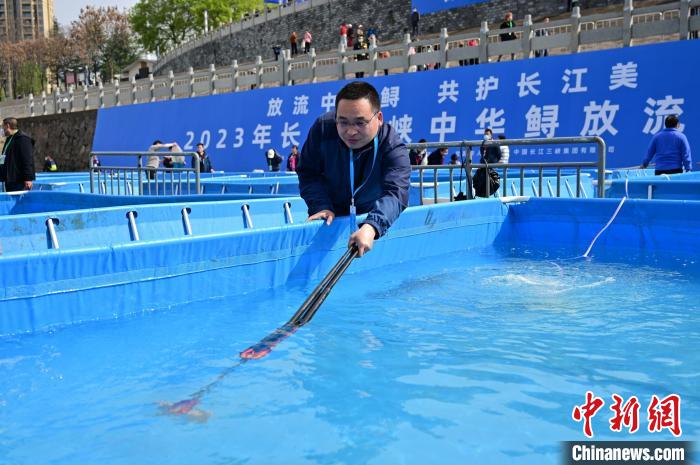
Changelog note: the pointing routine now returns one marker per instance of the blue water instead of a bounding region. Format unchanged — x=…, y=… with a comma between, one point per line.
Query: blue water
x=475, y=357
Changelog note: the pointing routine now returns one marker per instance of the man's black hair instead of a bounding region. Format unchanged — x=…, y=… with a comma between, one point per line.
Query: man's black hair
x=488, y=130
x=200, y=144
x=671, y=121
x=357, y=90
x=502, y=136
x=157, y=141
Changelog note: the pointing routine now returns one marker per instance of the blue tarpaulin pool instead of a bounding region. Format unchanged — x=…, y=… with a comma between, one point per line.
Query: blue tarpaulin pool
x=467, y=335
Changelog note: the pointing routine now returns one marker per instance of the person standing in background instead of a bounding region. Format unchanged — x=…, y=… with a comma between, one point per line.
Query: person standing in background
x=17, y=158
x=670, y=150
x=293, y=43
x=293, y=159
x=307, y=42
x=415, y=20
x=204, y=161
x=505, y=150
x=50, y=164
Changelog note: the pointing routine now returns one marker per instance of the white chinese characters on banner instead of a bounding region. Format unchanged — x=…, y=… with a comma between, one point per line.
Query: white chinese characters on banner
x=301, y=105
x=443, y=125
x=448, y=90
x=261, y=135
x=290, y=134
x=274, y=107
x=577, y=86
x=658, y=110
x=328, y=102
x=403, y=126
x=528, y=84
x=599, y=118
x=491, y=118
x=390, y=96
x=624, y=76
x=542, y=120
x=484, y=86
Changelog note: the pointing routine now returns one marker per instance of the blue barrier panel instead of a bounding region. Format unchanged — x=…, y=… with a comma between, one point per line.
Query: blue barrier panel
x=621, y=95
x=58, y=287
x=649, y=226
x=90, y=228
x=102, y=281
x=655, y=188
x=52, y=201
x=431, y=6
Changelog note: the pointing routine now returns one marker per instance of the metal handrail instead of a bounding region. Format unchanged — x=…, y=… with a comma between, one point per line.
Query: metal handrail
x=229, y=76
x=139, y=171
x=468, y=165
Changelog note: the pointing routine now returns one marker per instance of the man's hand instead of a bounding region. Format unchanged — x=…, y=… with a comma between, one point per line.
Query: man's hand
x=327, y=215
x=363, y=239
x=27, y=185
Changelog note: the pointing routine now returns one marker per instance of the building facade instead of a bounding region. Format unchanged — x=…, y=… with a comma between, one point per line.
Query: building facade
x=25, y=19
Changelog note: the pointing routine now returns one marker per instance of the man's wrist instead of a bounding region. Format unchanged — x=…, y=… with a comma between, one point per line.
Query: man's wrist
x=371, y=228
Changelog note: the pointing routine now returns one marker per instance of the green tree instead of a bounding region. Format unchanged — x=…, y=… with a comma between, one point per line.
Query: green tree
x=102, y=38
x=164, y=24
x=30, y=79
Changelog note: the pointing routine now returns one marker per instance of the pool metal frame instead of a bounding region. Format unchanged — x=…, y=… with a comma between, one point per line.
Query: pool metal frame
x=468, y=165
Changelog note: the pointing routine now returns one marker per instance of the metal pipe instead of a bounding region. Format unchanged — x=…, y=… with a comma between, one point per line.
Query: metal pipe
x=540, y=179
x=452, y=189
x=132, y=225
x=568, y=188
x=558, y=182
x=420, y=185
x=578, y=182
x=246, y=216
x=186, y=220
x=140, y=168
x=197, y=174
x=52, y=232
x=288, y=213
x=522, y=181
x=435, y=185
x=535, y=192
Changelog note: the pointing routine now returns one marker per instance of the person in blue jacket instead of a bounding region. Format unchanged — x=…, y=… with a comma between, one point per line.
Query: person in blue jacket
x=353, y=163
x=670, y=149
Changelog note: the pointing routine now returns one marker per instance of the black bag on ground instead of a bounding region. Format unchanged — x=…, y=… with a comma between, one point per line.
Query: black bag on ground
x=481, y=178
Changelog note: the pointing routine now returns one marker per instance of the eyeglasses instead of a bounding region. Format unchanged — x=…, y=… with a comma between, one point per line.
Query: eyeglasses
x=360, y=125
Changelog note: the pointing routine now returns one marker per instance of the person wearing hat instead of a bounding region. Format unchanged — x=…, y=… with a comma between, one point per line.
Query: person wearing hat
x=274, y=160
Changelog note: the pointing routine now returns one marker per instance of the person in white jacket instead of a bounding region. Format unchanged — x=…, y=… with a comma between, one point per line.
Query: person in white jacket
x=505, y=151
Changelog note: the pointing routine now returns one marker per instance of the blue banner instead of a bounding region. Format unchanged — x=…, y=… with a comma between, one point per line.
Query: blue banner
x=431, y=6
x=621, y=95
